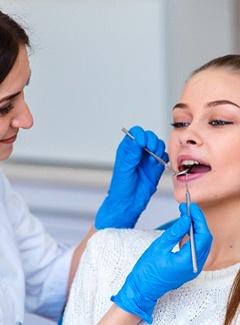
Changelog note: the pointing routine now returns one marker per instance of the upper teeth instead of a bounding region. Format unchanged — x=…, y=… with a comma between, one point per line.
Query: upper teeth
x=190, y=162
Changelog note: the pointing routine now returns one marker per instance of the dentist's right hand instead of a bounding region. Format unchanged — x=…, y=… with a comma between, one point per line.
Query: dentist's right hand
x=159, y=270
x=135, y=178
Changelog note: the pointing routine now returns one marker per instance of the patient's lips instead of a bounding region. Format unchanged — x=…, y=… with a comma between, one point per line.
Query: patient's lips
x=197, y=167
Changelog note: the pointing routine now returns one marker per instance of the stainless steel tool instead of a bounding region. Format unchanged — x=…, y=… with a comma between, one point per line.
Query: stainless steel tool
x=157, y=157
x=188, y=198
x=191, y=236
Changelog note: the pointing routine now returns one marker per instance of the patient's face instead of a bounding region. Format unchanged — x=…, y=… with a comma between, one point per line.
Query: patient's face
x=206, y=133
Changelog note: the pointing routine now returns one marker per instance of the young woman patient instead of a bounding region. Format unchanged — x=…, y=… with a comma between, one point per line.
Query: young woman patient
x=130, y=276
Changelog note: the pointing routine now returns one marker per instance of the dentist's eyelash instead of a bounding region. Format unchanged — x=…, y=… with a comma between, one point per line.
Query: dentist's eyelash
x=7, y=109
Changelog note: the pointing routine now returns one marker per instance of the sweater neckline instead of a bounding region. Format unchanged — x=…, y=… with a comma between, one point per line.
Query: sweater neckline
x=216, y=278
x=228, y=271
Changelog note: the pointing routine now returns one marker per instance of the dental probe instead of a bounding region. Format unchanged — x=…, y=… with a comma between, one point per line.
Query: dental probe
x=191, y=236
x=157, y=157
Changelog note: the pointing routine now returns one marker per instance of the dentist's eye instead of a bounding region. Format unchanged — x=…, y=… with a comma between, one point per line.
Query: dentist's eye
x=219, y=123
x=6, y=109
x=178, y=125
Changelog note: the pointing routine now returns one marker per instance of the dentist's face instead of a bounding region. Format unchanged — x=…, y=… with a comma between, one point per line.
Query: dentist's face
x=14, y=112
x=206, y=133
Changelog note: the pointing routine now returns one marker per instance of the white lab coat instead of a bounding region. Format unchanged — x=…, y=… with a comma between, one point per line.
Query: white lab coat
x=33, y=267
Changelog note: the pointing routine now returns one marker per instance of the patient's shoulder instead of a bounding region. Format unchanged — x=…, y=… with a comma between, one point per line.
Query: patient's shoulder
x=124, y=239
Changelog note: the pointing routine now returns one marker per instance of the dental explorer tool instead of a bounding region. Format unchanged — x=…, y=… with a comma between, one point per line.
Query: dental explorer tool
x=191, y=236
x=158, y=158
x=188, y=198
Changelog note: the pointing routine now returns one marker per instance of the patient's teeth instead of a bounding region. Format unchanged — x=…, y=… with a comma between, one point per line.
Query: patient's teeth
x=190, y=162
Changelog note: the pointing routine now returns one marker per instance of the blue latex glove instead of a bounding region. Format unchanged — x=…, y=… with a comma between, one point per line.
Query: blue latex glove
x=159, y=270
x=135, y=178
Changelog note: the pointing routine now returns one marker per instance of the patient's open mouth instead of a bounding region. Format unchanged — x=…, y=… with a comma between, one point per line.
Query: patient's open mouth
x=195, y=167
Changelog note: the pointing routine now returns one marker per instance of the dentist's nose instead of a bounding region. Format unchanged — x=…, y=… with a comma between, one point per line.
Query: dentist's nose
x=23, y=117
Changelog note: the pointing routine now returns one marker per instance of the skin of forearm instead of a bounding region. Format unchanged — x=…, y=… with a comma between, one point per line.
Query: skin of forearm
x=118, y=316
x=77, y=256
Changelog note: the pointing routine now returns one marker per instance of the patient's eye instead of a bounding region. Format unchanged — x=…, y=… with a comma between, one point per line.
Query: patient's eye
x=178, y=125
x=219, y=122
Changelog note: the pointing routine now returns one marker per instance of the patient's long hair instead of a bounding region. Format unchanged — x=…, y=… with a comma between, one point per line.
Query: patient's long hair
x=231, y=64
x=233, y=301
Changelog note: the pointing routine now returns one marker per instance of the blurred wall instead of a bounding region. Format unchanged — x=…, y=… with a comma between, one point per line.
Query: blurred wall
x=98, y=66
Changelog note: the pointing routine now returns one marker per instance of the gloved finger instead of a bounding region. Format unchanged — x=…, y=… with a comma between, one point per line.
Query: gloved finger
x=182, y=208
x=197, y=216
x=142, y=139
x=152, y=141
x=202, y=252
x=155, y=145
x=139, y=135
x=129, y=152
x=200, y=224
x=165, y=157
x=202, y=236
x=173, y=235
x=149, y=140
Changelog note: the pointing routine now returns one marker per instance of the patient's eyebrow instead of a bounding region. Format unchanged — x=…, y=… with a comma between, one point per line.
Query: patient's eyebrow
x=221, y=102
x=180, y=105
x=210, y=104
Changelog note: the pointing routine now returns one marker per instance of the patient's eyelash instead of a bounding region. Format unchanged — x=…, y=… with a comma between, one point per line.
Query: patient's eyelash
x=7, y=109
x=179, y=124
x=219, y=122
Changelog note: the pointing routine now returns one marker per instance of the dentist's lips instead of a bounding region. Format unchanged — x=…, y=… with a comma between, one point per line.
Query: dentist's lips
x=9, y=140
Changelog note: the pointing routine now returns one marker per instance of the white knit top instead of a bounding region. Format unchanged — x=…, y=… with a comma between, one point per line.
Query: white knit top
x=107, y=260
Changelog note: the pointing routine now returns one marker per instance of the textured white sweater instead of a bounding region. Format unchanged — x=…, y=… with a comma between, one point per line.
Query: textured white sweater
x=107, y=260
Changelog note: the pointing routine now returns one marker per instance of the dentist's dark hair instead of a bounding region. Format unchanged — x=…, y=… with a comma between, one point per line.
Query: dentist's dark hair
x=12, y=35
x=229, y=63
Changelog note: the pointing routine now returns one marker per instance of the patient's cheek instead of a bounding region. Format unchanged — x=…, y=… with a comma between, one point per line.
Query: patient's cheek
x=179, y=195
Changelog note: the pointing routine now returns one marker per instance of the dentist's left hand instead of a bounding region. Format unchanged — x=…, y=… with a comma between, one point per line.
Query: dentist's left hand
x=135, y=178
x=160, y=270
